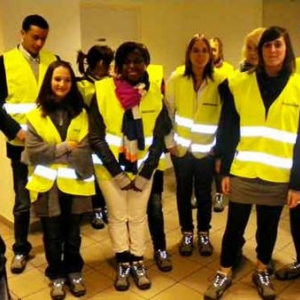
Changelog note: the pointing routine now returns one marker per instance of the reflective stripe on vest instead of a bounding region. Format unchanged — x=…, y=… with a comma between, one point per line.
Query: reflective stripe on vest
x=271, y=133
x=19, y=108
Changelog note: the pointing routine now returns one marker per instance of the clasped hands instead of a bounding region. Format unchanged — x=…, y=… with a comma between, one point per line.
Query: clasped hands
x=131, y=186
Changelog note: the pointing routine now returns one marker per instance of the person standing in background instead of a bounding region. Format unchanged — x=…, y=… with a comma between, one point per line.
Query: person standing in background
x=22, y=70
x=226, y=69
x=194, y=105
x=61, y=178
x=98, y=60
x=249, y=49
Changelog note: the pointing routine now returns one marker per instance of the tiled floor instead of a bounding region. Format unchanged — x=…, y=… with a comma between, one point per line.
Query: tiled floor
x=190, y=275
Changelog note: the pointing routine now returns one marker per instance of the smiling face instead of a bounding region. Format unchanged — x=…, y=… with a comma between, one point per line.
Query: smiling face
x=61, y=82
x=33, y=40
x=274, y=53
x=133, y=67
x=199, y=55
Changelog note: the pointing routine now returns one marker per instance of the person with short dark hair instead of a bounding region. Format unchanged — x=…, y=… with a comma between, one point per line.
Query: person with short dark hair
x=94, y=66
x=127, y=129
x=61, y=175
x=22, y=70
x=259, y=144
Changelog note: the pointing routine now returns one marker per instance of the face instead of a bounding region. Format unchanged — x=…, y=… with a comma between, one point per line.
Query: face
x=134, y=67
x=251, y=53
x=100, y=70
x=215, y=49
x=61, y=82
x=274, y=53
x=34, y=39
x=199, y=55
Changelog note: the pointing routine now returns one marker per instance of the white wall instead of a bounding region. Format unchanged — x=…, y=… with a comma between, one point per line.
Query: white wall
x=285, y=13
x=63, y=17
x=166, y=26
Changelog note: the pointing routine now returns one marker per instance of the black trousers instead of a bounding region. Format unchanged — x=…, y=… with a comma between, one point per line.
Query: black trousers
x=155, y=212
x=98, y=200
x=295, y=229
x=267, y=219
x=62, y=241
x=189, y=172
x=21, y=208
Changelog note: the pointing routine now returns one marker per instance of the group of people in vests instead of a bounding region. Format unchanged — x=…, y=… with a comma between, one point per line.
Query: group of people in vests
x=97, y=144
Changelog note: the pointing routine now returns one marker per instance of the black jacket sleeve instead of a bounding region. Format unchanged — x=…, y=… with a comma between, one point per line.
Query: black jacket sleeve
x=7, y=124
x=228, y=134
x=98, y=142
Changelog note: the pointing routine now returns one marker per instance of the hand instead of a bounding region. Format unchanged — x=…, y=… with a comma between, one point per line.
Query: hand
x=136, y=189
x=71, y=145
x=293, y=198
x=21, y=135
x=226, y=185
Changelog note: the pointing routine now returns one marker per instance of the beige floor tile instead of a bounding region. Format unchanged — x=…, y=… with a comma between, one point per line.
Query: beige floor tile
x=178, y=291
x=28, y=283
x=112, y=294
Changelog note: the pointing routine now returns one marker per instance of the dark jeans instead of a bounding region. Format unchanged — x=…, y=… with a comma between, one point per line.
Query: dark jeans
x=190, y=170
x=295, y=229
x=267, y=219
x=62, y=241
x=21, y=208
x=155, y=212
x=98, y=200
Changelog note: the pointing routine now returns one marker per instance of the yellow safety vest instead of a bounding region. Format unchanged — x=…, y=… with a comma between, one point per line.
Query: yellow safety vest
x=112, y=113
x=265, y=149
x=87, y=90
x=298, y=65
x=156, y=75
x=22, y=85
x=196, y=121
x=43, y=176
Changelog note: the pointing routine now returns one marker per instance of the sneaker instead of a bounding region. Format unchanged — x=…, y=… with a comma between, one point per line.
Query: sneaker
x=221, y=283
x=163, y=260
x=122, y=278
x=98, y=220
x=289, y=272
x=186, y=245
x=18, y=263
x=139, y=274
x=219, y=202
x=263, y=284
x=58, y=289
x=205, y=247
x=76, y=285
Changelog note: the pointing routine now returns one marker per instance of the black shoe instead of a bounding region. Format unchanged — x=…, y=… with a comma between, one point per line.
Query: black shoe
x=289, y=272
x=204, y=245
x=122, y=277
x=186, y=245
x=18, y=263
x=139, y=275
x=163, y=260
x=58, y=289
x=219, y=202
x=263, y=284
x=98, y=220
x=76, y=285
